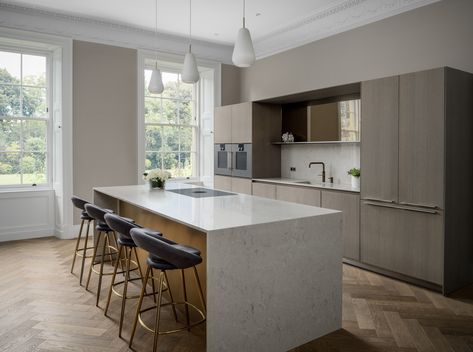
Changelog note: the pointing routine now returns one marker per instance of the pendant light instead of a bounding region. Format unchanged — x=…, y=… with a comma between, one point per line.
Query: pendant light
x=156, y=82
x=190, y=73
x=243, y=52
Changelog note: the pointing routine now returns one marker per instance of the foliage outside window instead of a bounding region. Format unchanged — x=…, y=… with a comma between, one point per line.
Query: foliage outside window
x=171, y=126
x=24, y=119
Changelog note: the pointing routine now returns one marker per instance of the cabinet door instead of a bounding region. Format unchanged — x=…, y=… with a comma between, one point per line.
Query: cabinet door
x=242, y=123
x=379, y=139
x=223, y=183
x=265, y=190
x=421, y=138
x=223, y=124
x=403, y=241
x=303, y=195
x=349, y=205
x=241, y=185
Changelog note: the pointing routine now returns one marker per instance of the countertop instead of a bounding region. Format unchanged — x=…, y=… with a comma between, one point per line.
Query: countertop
x=212, y=213
x=321, y=185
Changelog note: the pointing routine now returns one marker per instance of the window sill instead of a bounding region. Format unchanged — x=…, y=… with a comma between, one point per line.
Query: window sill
x=26, y=189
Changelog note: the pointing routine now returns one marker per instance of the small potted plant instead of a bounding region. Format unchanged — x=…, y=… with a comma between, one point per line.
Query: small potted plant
x=355, y=177
x=156, y=178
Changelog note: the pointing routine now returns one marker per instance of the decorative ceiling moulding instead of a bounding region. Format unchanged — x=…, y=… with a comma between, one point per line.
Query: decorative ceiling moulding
x=93, y=30
x=342, y=17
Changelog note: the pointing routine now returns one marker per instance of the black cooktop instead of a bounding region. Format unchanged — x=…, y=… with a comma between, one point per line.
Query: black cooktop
x=200, y=192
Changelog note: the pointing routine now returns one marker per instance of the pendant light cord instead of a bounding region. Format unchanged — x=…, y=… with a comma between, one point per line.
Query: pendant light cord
x=156, y=31
x=244, y=11
x=190, y=25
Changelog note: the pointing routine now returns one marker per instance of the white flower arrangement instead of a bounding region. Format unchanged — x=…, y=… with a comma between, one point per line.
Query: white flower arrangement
x=156, y=175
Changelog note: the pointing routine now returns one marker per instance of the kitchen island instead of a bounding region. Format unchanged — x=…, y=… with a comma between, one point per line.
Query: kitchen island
x=272, y=270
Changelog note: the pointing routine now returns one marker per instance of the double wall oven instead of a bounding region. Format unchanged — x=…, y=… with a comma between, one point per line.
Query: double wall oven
x=233, y=160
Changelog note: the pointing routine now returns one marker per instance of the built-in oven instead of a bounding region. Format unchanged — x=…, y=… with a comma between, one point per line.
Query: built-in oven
x=233, y=160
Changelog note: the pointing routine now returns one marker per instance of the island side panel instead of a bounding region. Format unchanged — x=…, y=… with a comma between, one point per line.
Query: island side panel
x=178, y=233
x=273, y=287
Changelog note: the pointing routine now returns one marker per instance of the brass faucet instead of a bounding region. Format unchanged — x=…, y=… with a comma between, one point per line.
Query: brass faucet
x=323, y=168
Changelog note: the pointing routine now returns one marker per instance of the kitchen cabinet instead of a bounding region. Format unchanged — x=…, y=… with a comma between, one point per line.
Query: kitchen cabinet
x=265, y=190
x=421, y=138
x=223, y=124
x=403, y=241
x=349, y=204
x=416, y=187
x=303, y=195
x=242, y=119
x=233, y=184
x=379, y=139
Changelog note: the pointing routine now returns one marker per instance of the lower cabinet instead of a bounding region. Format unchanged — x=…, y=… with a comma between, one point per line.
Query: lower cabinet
x=266, y=190
x=233, y=184
x=403, y=241
x=303, y=195
x=349, y=204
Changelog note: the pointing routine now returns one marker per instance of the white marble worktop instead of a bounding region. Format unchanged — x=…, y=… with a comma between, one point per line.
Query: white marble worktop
x=211, y=213
x=312, y=184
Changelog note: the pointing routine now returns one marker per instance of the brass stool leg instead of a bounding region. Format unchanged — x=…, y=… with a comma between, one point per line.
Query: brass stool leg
x=138, y=308
x=94, y=257
x=102, y=262
x=170, y=295
x=201, y=293
x=158, y=311
x=125, y=288
x=185, y=299
x=77, y=245
x=85, y=253
x=120, y=250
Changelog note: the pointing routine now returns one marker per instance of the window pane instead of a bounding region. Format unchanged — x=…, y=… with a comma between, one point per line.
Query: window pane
x=186, y=139
x=33, y=166
x=10, y=169
x=34, y=135
x=154, y=138
x=171, y=139
x=34, y=70
x=185, y=164
x=34, y=102
x=9, y=100
x=170, y=163
x=186, y=113
x=170, y=109
x=153, y=110
x=170, y=81
x=10, y=132
x=186, y=91
x=10, y=67
x=153, y=161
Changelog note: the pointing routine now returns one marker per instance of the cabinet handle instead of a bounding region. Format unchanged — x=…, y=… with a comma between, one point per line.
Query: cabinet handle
x=393, y=206
x=379, y=200
x=419, y=205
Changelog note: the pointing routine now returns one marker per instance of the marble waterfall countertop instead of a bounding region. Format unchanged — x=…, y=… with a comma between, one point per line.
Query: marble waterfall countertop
x=211, y=213
x=309, y=183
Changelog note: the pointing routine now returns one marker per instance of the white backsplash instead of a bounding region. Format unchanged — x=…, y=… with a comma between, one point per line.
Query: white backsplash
x=338, y=159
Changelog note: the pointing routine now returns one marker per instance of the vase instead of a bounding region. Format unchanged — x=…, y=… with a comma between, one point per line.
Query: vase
x=355, y=182
x=157, y=184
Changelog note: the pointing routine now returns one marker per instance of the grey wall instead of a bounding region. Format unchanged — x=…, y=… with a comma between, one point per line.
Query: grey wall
x=432, y=36
x=230, y=84
x=104, y=117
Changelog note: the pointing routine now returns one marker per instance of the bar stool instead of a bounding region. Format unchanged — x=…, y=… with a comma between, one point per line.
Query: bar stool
x=81, y=251
x=126, y=247
x=166, y=255
x=105, y=238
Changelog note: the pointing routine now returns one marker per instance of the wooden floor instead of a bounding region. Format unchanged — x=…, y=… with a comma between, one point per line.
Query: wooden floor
x=42, y=308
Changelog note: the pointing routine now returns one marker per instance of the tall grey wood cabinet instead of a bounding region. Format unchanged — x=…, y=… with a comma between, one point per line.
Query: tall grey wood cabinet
x=417, y=177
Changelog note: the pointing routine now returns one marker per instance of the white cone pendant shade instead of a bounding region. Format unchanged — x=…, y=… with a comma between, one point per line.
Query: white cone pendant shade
x=190, y=73
x=243, y=52
x=156, y=82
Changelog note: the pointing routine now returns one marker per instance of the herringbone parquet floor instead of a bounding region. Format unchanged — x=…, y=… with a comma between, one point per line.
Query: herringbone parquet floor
x=42, y=308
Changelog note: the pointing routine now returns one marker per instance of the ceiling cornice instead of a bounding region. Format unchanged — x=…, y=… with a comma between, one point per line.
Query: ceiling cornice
x=343, y=16
x=101, y=31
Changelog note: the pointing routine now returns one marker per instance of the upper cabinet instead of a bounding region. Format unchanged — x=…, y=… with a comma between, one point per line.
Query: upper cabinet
x=421, y=138
x=380, y=139
x=233, y=123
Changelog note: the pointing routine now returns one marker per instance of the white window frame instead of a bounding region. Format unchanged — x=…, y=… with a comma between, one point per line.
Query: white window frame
x=19, y=49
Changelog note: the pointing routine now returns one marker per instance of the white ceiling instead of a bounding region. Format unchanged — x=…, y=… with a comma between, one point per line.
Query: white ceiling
x=275, y=25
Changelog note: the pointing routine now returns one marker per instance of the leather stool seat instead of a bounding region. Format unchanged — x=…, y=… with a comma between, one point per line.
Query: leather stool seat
x=85, y=216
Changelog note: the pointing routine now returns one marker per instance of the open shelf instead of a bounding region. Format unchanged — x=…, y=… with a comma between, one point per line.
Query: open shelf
x=320, y=142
